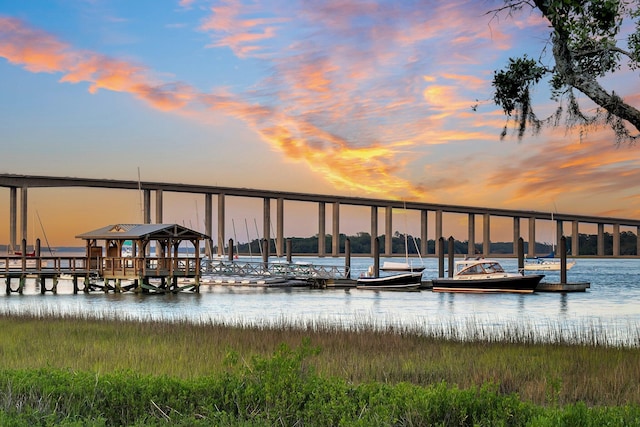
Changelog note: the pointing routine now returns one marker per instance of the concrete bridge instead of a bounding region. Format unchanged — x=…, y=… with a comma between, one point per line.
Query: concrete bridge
x=21, y=184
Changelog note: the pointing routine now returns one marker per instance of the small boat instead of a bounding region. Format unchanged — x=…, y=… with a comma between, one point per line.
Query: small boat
x=395, y=282
x=485, y=275
x=545, y=264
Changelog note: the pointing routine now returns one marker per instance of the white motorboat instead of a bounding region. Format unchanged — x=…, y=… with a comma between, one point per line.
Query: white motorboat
x=545, y=264
x=485, y=275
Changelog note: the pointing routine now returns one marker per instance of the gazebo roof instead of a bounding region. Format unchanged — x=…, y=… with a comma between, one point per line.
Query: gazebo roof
x=142, y=232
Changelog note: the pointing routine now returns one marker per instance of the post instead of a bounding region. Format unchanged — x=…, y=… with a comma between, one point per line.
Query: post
x=440, y=251
x=559, y=232
x=438, y=235
x=208, y=221
x=347, y=257
x=221, y=223
x=23, y=248
x=471, y=250
x=13, y=219
x=289, y=256
x=37, y=255
x=265, y=252
x=230, y=250
x=376, y=257
x=23, y=213
x=521, y=255
x=563, y=260
x=266, y=219
x=451, y=254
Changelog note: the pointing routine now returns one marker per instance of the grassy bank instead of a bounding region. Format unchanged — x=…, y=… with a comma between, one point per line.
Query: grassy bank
x=282, y=389
x=554, y=373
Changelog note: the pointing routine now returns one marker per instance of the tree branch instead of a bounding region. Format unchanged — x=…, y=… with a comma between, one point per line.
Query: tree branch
x=585, y=83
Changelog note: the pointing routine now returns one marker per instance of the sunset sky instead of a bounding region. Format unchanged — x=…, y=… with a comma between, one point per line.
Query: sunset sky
x=357, y=98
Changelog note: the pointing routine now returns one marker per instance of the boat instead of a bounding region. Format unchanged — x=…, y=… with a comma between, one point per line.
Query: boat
x=404, y=266
x=395, y=282
x=545, y=264
x=485, y=275
x=548, y=262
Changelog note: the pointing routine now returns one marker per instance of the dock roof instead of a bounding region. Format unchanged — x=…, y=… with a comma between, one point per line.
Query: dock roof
x=142, y=232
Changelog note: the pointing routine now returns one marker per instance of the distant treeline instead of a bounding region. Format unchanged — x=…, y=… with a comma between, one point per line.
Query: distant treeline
x=361, y=244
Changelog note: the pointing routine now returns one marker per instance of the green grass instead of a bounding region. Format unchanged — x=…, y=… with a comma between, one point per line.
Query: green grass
x=279, y=389
x=555, y=373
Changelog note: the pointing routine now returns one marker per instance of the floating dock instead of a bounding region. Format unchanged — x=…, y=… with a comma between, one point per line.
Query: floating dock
x=563, y=287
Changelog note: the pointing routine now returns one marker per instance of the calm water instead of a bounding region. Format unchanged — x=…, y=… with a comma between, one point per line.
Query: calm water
x=609, y=309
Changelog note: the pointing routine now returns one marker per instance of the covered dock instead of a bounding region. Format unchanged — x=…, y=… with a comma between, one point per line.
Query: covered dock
x=145, y=257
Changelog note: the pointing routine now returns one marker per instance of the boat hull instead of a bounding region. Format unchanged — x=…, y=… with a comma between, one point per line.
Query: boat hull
x=405, y=281
x=517, y=284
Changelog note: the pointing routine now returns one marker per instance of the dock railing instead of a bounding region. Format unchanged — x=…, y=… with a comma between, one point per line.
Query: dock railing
x=45, y=264
x=273, y=269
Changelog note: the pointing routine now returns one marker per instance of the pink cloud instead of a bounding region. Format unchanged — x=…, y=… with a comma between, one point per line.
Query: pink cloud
x=231, y=26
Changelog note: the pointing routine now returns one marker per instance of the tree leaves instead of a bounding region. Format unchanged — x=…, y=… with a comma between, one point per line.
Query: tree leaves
x=513, y=87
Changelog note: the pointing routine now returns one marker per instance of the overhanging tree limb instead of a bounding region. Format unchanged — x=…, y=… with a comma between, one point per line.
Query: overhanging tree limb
x=584, y=48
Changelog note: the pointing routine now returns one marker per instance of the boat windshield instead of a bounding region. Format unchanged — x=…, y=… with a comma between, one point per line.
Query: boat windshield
x=492, y=267
x=480, y=268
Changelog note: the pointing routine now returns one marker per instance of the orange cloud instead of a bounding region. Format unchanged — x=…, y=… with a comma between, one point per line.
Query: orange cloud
x=36, y=50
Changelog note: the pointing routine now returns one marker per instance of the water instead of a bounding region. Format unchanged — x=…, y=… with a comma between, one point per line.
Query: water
x=609, y=310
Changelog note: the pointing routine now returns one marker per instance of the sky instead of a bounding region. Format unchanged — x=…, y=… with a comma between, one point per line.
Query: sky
x=371, y=98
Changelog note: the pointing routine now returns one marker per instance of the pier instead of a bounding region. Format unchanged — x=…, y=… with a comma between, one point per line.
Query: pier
x=53, y=272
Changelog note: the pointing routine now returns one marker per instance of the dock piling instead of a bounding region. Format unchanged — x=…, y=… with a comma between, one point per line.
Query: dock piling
x=451, y=254
x=521, y=255
x=440, y=251
x=563, y=260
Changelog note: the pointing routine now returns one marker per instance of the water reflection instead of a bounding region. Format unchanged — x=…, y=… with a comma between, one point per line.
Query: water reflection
x=612, y=303
x=564, y=307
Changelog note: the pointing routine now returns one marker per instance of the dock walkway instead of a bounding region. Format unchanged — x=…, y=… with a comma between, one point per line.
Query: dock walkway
x=85, y=276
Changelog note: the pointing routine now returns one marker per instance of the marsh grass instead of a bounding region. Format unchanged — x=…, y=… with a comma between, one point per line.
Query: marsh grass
x=562, y=368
